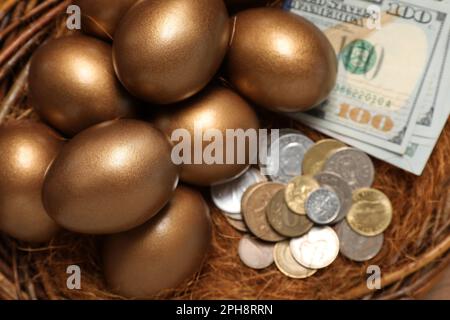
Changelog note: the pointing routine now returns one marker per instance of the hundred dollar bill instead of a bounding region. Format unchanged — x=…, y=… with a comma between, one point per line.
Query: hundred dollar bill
x=436, y=86
x=390, y=75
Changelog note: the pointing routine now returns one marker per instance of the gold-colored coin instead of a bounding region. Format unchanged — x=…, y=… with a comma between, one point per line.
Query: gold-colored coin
x=283, y=220
x=316, y=156
x=286, y=263
x=371, y=212
x=254, y=206
x=297, y=191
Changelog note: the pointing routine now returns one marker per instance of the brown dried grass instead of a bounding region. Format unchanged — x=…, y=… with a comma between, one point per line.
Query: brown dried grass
x=415, y=252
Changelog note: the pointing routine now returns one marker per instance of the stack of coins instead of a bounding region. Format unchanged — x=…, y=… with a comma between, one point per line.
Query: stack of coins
x=317, y=203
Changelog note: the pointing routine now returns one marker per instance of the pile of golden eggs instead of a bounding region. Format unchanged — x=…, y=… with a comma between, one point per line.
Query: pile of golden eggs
x=110, y=99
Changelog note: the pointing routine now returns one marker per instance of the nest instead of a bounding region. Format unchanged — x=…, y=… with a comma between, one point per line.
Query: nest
x=415, y=252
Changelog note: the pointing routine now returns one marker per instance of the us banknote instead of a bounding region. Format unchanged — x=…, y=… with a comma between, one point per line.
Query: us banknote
x=392, y=94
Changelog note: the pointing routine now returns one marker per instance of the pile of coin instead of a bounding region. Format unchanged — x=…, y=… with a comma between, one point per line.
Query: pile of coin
x=317, y=202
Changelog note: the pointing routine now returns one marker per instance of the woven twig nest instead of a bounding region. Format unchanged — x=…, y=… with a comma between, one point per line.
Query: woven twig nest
x=416, y=245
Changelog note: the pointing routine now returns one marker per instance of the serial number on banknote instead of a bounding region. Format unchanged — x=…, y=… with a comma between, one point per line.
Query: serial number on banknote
x=363, y=95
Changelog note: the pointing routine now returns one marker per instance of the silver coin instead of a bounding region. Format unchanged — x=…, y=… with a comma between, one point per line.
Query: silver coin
x=352, y=165
x=233, y=216
x=285, y=131
x=237, y=224
x=227, y=196
x=286, y=156
x=342, y=189
x=355, y=246
x=322, y=205
x=281, y=132
x=254, y=253
x=317, y=249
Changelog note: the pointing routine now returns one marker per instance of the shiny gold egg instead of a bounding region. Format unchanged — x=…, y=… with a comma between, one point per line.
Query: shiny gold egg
x=110, y=178
x=73, y=85
x=162, y=253
x=167, y=51
x=280, y=61
x=218, y=109
x=26, y=151
x=101, y=17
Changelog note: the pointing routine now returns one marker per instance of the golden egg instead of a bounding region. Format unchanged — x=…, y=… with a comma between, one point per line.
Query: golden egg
x=280, y=61
x=215, y=108
x=73, y=85
x=162, y=253
x=101, y=17
x=26, y=151
x=110, y=178
x=166, y=51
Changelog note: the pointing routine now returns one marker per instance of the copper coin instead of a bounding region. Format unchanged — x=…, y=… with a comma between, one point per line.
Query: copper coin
x=283, y=220
x=355, y=246
x=254, y=205
x=247, y=193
